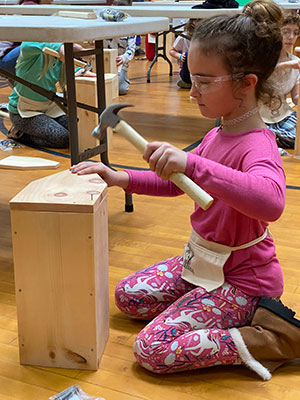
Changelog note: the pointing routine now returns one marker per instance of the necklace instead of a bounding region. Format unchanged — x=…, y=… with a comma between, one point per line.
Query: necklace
x=241, y=118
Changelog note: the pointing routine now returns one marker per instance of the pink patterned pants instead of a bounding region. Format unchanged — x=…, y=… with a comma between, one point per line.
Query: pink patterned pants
x=188, y=328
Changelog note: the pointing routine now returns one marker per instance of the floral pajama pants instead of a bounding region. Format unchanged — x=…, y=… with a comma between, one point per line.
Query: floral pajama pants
x=189, y=326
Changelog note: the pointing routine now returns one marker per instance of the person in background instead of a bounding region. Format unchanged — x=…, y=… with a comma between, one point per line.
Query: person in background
x=139, y=51
x=179, y=50
x=37, y=120
x=279, y=115
x=126, y=48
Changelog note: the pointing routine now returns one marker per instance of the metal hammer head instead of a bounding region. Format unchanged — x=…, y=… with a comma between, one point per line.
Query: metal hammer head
x=109, y=117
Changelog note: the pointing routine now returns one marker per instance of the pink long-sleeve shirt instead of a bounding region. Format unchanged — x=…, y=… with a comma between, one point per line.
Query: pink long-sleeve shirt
x=244, y=174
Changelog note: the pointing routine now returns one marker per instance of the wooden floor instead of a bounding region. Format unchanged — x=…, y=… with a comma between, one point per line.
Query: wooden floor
x=156, y=230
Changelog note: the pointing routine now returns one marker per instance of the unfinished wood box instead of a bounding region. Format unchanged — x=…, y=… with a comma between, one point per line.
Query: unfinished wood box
x=109, y=58
x=86, y=92
x=60, y=249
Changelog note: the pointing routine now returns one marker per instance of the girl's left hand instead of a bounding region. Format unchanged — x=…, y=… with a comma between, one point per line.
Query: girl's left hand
x=164, y=159
x=81, y=72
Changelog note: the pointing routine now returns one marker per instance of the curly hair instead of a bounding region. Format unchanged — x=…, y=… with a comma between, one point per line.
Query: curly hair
x=262, y=10
x=245, y=43
x=291, y=17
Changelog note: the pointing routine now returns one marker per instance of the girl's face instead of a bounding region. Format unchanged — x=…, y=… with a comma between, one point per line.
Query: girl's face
x=290, y=33
x=212, y=86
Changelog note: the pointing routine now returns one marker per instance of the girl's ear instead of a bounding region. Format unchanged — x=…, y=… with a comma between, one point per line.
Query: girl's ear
x=248, y=83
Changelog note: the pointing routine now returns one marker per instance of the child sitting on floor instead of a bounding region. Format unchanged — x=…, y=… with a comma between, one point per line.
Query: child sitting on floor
x=279, y=115
x=126, y=49
x=37, y=120
x=179, y=50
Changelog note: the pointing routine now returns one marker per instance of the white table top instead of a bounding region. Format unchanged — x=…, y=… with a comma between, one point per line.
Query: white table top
x=284, y=4
x=166, y=3
x=175, y=11
x=25, y=28
x=169, y=10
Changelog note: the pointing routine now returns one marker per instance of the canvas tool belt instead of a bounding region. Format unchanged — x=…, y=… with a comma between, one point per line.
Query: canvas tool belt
x=204, y=260
x=29, y=108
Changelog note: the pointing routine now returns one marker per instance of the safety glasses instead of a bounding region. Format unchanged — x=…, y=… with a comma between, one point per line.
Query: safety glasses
x=208, y=84
x=290, y=32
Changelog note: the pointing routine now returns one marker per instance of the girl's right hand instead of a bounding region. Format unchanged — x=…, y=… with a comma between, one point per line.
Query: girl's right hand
x=111, y=177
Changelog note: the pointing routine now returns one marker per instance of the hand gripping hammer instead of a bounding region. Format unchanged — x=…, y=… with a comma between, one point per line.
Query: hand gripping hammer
x=110, y=117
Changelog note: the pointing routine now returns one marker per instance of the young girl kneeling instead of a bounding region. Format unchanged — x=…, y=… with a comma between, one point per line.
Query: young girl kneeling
x=200, y=321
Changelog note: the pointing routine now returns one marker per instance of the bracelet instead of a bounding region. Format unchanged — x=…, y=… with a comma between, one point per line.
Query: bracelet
x=180, y=57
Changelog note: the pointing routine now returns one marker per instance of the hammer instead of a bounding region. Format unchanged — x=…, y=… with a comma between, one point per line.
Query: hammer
x=110, y=118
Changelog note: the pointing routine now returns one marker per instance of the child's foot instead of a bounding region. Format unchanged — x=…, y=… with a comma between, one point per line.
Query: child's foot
x=184, y=85
x=139, y=52
x=14, y=133
x=4, y=107
x=272, y=339
x=283, y=152
x=123, y=82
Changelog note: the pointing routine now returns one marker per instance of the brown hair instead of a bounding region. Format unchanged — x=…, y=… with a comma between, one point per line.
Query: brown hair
x=291, y=17
x=245, y=43
x=191, y=25
x=263, y=10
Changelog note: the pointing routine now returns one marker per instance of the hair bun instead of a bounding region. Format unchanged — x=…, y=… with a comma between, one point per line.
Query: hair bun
x=264, y=11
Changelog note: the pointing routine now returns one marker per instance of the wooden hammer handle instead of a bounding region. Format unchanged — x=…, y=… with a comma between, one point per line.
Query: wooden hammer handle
x=203, y=199
x=56, y=54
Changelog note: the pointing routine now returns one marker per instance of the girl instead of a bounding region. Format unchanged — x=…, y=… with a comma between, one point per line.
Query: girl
x=203, y=302
x=279, y=115
x=37, y=120
x=179, y=50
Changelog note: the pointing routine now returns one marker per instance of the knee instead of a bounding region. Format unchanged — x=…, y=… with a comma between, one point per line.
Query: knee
x=149, y=355
x=124, y=301
x=130, y=302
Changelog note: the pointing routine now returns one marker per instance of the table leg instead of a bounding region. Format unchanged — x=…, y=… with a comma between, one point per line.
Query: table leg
x=162, y=55
x=101, y=106
x=72, y=107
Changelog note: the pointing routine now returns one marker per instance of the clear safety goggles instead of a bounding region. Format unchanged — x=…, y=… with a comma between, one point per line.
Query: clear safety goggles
x=290, y=32
x=208, y=84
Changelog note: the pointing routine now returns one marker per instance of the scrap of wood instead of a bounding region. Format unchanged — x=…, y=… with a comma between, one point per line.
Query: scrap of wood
x=28, y=163
x=77, y=14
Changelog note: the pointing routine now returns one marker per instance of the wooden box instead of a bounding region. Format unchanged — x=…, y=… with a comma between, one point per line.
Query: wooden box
x=86, y=92
x=60, y=248
x=109, y=58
